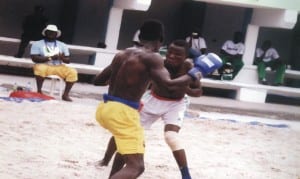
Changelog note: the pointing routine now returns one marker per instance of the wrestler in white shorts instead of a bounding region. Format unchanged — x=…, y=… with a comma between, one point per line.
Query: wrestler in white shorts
x=169, y=110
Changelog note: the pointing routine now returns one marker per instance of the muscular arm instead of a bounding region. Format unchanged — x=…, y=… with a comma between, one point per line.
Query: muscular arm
x=62, y=57
x=194, y=89
x=39, y=59
x=161, y=76
x=102, y=78
x=43, y=59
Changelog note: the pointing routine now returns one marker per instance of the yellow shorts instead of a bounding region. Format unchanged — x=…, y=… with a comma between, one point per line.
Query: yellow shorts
x=66, y=73
x=124, y=124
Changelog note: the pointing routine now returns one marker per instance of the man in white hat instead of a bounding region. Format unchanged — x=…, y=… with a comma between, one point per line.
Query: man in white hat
x=50, y=54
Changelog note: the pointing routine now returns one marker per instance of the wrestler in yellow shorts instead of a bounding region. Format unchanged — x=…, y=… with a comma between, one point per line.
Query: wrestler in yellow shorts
x=63, y=71
x=124, y=124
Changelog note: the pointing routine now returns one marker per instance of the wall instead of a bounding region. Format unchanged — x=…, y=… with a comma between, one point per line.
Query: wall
x=91, y=22
x=12, y=13
x=295, y=50
x=220, y=23
x=193, y=16
x=167, y=11
x=88, y=26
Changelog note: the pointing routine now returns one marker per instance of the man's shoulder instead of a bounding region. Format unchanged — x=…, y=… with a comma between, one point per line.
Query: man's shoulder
x=144, y=56
x=272, y=49
x=188, y=61
x=138, y=51
x=188, y=64
x=60, y=42
x=201, y=38
x=39, y=42
x=228, y=42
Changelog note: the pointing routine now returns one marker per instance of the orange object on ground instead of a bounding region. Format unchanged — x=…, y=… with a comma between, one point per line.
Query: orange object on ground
x=29, y=94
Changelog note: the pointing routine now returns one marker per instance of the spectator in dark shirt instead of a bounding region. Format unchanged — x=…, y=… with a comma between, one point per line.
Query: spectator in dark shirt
x=32, y=26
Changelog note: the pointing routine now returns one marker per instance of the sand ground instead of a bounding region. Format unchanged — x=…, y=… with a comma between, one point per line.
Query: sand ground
x=56, y=139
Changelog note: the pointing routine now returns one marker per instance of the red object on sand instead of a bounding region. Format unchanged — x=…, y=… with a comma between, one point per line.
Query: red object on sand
x=29, y=94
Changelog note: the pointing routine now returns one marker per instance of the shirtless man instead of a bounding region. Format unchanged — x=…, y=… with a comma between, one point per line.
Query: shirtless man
x=128, y=77
x=168, y=105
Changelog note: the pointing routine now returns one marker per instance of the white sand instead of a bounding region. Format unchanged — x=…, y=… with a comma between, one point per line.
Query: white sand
x=56, y=139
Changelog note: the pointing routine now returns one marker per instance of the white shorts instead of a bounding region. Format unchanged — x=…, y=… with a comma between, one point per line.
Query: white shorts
x=170, y=111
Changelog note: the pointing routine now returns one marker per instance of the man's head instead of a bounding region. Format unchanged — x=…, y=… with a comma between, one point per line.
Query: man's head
x=51, y=32
x=195, y=33
x=237, y=37
x=266, y=45
x=177, y=53
x=152, y=31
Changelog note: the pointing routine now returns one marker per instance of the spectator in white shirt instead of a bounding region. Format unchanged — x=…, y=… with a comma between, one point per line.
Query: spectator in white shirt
x=232, y=52
x=197, y=44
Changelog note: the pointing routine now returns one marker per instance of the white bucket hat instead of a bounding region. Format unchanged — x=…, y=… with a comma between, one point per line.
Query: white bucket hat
x=52, y=27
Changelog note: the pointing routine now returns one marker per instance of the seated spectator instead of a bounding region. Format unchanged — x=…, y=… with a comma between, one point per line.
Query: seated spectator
x=267, y=56
x=232, y=52
x=197, y=44
x=49, y=55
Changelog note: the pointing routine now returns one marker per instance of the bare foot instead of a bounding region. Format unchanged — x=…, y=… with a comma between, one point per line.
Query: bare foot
x=102, y=163
x=66, y=98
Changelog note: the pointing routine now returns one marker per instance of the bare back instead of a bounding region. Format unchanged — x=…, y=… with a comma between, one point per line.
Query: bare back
x=131, y=73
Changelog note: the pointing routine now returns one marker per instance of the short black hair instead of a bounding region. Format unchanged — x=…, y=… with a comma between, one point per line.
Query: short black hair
x=151, y=30
x=238, y=36
x=182, y=43
x=266, y=44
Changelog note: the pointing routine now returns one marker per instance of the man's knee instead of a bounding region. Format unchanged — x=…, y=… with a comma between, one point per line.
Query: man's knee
x=72, y=75
x=141, y=168
x=137, y=167
x=173, y=140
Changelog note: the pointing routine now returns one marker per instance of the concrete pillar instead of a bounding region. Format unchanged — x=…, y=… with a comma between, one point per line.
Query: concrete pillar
x=113, y=28
x=140, y=5
x=250, y=44
x=248, y=73
x=115, y=18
